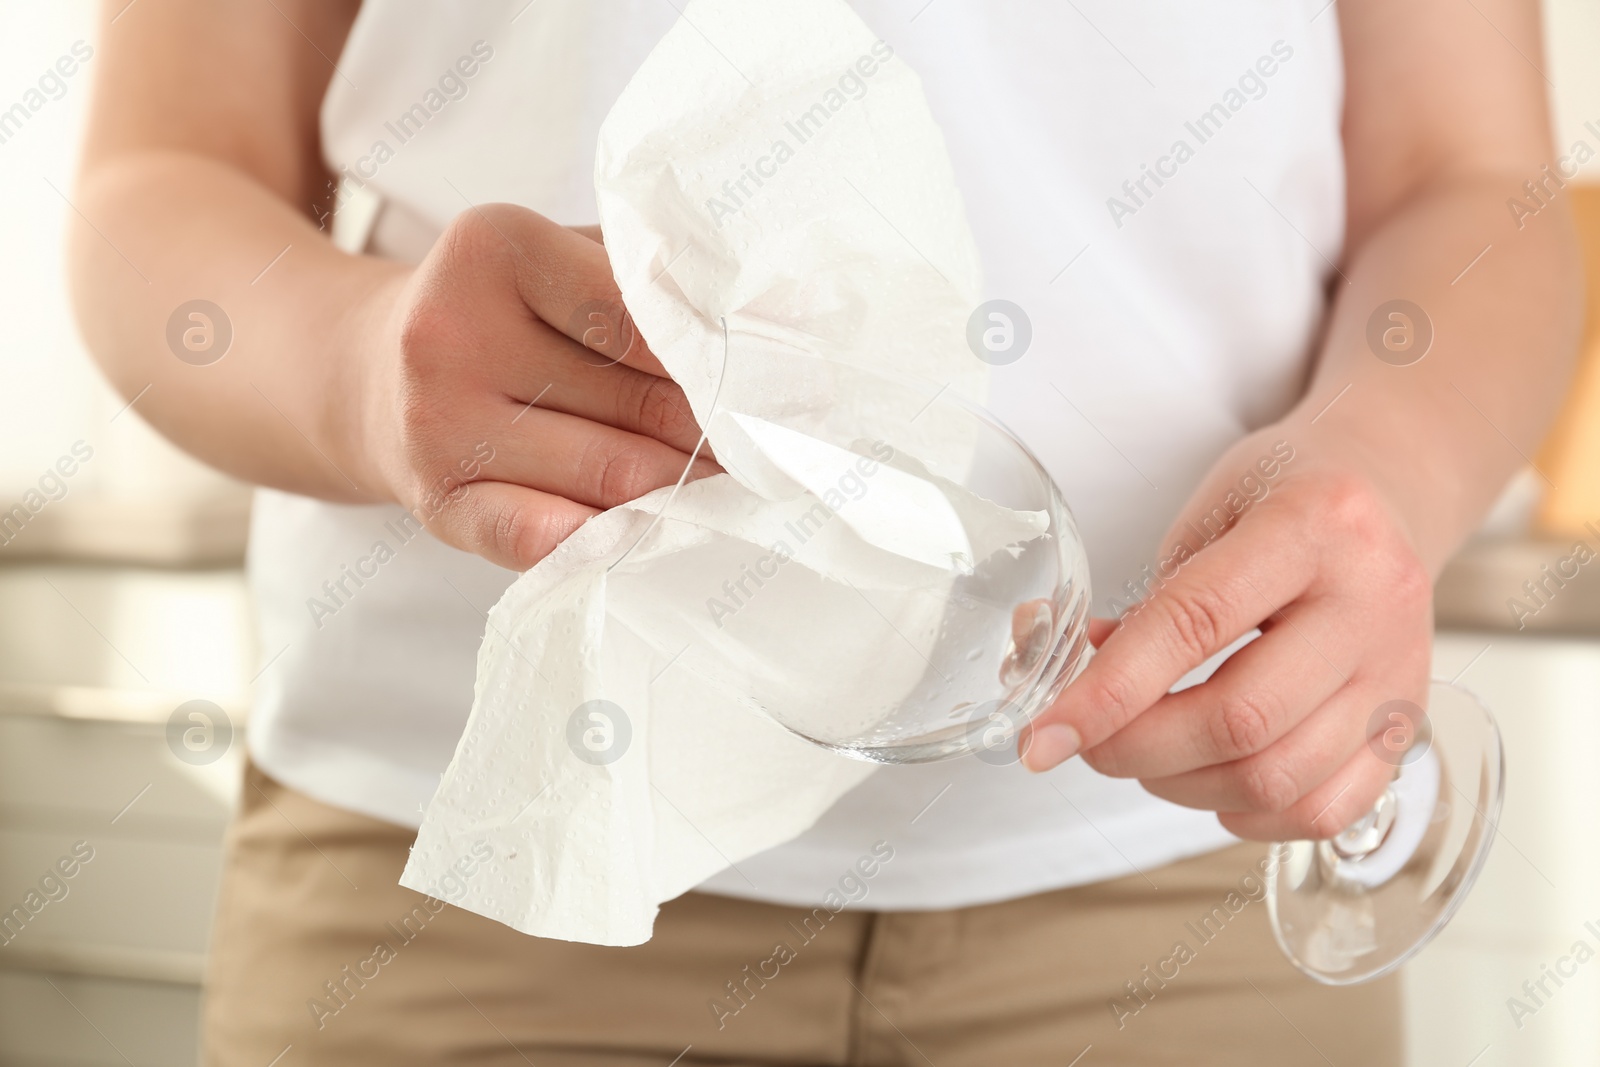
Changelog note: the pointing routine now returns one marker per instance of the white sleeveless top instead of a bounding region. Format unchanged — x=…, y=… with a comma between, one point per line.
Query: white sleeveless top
x=1159, y=186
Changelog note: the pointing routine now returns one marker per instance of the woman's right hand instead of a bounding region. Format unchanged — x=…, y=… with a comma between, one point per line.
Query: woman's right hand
x=461, y=388
x=504, y=396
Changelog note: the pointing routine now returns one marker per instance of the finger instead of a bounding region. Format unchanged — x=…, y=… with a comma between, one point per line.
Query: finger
x=565, y=278
x=509, y=525
x=1025, y=619
x=1259, y=694
x=1274, y=779
x=584, y=461
x=1223, y=593
x=615, y=395
x=1100, y=629
x=1326, y=811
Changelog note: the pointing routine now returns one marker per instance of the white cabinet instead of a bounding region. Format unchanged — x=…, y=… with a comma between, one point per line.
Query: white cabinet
x=107, y=964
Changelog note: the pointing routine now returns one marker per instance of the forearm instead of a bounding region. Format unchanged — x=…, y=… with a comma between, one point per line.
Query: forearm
x=1441, y=436
x=282, y=406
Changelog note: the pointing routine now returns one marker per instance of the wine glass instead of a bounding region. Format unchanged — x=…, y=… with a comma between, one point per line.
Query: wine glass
x=902, y=582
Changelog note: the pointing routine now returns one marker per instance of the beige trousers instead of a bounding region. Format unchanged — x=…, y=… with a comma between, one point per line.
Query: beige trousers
x=319, y=957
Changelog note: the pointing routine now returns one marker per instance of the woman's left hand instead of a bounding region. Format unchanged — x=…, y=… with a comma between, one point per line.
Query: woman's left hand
x=1277, y=741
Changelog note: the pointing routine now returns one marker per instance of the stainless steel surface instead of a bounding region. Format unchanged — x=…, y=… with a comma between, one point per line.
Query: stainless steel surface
x=1481, y=586
x=209, y=529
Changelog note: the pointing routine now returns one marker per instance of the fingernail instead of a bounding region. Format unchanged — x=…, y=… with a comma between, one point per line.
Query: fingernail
x=1050, y=745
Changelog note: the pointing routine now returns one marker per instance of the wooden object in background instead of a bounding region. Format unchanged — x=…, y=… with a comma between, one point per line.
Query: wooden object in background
x=1570, y=457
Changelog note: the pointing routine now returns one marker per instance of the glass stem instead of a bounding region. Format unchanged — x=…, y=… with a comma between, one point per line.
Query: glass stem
x=1364, y=836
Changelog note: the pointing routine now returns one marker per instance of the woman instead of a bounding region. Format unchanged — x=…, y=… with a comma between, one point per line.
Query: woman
x=1207, y=211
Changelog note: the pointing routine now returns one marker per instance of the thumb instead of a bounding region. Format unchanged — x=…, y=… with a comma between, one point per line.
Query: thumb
x=509, y=525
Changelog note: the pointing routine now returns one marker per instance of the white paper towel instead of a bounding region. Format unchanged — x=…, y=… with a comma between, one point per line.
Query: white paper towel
x=774, y=165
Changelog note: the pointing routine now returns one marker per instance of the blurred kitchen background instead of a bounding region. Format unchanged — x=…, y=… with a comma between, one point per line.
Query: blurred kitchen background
x=121, y=600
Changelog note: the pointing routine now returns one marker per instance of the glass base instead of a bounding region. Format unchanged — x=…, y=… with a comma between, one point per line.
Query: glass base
x=1353, y=908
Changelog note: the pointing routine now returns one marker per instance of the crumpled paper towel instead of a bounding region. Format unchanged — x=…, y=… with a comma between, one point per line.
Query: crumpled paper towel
x=773, y=165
